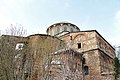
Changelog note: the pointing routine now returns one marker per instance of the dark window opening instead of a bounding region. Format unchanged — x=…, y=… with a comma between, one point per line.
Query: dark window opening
x=84, y=62
x=70, y=40
x=70, y=37
x=86, y=70
x=79, y=45
x=25, y=76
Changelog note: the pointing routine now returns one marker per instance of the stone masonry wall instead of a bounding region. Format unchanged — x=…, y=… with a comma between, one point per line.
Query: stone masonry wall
x=40, y=48
x=87, y=40
x=105, y=47
x=66, y=65
x=92, y=44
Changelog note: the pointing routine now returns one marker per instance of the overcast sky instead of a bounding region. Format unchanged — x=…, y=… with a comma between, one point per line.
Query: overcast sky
x=37, y=15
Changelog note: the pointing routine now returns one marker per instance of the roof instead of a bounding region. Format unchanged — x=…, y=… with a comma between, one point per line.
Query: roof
x=13, y=36
x=100, y=36
x=43, y=35
x=64, y=22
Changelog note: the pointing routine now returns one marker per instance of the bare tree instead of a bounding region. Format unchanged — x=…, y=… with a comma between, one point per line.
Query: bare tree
x=9, y=54
x=15, y=30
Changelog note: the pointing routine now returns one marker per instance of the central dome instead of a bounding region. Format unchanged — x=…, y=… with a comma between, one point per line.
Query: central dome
x=61, y=28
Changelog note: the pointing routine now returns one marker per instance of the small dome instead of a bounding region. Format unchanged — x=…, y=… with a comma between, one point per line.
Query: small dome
x=61, y=27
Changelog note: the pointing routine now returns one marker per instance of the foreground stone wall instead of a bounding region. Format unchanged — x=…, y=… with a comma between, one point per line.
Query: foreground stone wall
x=11, y=59
x=66, y=65
x=40, y=48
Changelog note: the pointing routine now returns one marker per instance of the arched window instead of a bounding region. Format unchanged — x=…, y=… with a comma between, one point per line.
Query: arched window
x=86, y=70
x=58, y=29
x=65, y=28
x=83, y=61
x=71, y=29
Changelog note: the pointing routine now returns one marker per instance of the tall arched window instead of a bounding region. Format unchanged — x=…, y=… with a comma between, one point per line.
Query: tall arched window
x=58, y=29
x=65, y=28
x=71, y=29
x=84, y=62
x=86, y=70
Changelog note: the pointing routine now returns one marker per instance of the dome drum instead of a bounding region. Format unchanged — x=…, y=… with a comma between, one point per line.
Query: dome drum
x=61, y=27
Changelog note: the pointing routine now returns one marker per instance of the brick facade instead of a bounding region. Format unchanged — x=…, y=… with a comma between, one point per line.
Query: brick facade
x=98, y=53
